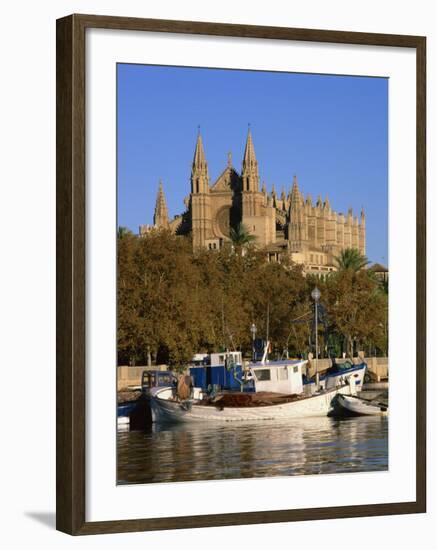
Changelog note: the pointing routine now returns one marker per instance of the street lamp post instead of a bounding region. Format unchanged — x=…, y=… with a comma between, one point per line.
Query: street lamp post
x=315, y=295
x=253, y=332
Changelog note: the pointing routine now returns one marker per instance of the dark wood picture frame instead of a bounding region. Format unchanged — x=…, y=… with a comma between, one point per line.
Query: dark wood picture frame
x=70, y=298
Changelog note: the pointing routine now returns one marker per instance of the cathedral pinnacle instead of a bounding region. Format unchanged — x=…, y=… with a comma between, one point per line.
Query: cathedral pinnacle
x=160, y=217
x=250, y=173
x=249, y=160
x=199, y=160
x=199, y=171
x=295, y=193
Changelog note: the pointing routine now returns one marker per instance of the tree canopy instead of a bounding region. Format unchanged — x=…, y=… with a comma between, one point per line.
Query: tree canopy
x=173, y=302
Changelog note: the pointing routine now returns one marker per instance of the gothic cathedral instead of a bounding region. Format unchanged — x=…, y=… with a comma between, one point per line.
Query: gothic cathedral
x=287, y=224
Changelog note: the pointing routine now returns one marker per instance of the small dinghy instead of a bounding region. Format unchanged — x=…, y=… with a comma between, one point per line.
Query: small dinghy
x=346, y=405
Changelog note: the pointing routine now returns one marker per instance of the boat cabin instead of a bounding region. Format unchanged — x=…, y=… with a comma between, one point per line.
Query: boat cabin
x=278, y=376
x=226, y=359
x=156, y=379
x=221, y=371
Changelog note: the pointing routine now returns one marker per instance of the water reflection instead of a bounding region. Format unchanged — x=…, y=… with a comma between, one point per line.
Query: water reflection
x=259, y=449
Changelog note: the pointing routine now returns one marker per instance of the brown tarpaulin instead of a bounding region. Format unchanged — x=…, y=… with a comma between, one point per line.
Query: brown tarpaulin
x=258, y=399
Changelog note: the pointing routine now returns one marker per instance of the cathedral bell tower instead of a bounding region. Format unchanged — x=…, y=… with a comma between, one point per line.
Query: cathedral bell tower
x=253, y=214
x=297, y=231
x=200, y=197
x=250, y=175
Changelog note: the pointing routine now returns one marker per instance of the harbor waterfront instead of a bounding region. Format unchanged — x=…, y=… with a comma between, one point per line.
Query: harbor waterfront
x=252, y=319
x=306, y=446
x=130, y=377
x=162, y=451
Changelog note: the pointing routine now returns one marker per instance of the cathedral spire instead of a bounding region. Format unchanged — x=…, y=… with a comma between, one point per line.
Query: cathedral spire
x=250, y=166
x=295, y=193
x=249, y=151
x=199, y=170
x=199, y=161
x=160, y=217
x=296, y=214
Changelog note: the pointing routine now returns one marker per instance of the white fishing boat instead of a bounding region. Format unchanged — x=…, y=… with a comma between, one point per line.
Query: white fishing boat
x=276, y=390
x=165, y=408
x=354, y=406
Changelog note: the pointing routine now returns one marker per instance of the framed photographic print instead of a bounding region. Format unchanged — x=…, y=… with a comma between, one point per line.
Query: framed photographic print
x=240, y=274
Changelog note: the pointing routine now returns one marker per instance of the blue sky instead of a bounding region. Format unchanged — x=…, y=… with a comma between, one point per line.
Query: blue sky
x=332, y=131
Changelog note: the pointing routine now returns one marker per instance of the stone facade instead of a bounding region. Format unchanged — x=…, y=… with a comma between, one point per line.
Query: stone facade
x=311, y=234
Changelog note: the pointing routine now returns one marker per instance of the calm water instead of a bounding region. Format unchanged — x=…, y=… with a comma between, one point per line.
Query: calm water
x=304, y=446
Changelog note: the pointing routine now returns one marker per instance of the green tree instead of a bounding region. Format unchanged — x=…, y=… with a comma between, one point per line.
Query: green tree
x=351, y=258
x=173, y=302
x=357, y=308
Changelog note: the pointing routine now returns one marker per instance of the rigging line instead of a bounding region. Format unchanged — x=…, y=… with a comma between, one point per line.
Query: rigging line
x=300, y=316
x=292, y=326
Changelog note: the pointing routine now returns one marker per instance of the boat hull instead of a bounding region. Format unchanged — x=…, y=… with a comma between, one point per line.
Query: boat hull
x=169, y=411
x=344, y=405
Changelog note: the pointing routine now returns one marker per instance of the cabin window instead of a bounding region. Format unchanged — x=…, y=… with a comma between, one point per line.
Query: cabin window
x=165, y=379
x=263, y=374
x=283, y=374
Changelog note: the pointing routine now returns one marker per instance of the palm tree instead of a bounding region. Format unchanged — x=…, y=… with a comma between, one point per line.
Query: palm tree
x=241, y=236
x=351, y=258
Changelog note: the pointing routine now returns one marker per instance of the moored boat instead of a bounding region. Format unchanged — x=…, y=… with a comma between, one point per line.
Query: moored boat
x=226, y=390
x=344, y=405
x=166, y=408
x=342, y=372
